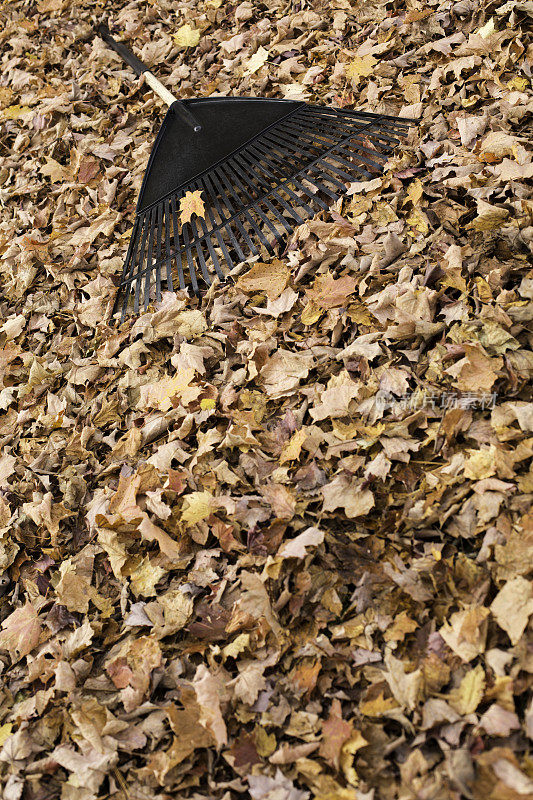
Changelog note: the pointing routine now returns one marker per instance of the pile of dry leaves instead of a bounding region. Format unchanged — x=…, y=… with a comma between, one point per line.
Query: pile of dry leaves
x=277, y=542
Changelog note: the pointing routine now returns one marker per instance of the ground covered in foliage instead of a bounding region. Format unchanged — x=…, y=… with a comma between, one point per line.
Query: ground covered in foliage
x=278, y=541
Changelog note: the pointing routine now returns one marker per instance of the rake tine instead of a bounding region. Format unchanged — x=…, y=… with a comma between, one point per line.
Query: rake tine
x=130, y=260
x=357, y=154
x=166, y=214
x=291, y=194
x=311, y=194
x=363, y=152
x=158, y=255
x=251, y=161
x=308, y=192
x=190, y=260
x=198, y=244
x=338, y=145
x=321, y=187
x=337, y=116
x=281, y=153
x=315, y=122
x=223, y=219
x=201, y=258
x=338, y=170
x=314, y=140
x=404, y=121
x=349, y=164
x=380, y=134
x=177, y=247
x=137, y=278
x=217, y=177
x=239, y=176
x=361, y=130
x=222, y=171
x=249, y=169
x=293, y=213
x=230, y=170
x=330, y=153
x=332, y=178
x=287, y=166
x=149, y=262
x=274, y=193
x=220, y=239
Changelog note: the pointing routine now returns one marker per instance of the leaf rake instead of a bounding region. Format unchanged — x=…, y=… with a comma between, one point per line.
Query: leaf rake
x=259, y=166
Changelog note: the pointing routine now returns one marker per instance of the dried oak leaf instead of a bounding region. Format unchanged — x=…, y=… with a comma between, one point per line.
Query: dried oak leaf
x=296, y=548
x=271, y=278
x=360, y=68
x=329, y=292
x=255, y=63
x=210, y=690
x=466, y=698
x=343, y=492
x=513, y=606
x=277, y=788
x=466, y=632
x=335, y=732
x=21, y=631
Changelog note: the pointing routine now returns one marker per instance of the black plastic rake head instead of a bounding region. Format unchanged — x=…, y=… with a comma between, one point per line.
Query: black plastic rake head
x=261, y=166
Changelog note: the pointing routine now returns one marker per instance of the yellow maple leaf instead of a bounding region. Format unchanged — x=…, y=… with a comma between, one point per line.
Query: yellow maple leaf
x=415, y=192
x=466, y=698
x=191, y=203
x=14, y=112
x=348, y=751
x=5, y=732
x=291, y=450
x=488, y=217
x=187, y=36
x=378, y=706
x=160, y=393
x=417, y=219
x=518, y=83
x=487, y=30
x=256, y=61
x=199, y=506
x=265, y=743
x=6, y=96
x=360, y=68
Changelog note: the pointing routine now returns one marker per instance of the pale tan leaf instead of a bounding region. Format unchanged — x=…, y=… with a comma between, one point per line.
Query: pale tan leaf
x=191, y=203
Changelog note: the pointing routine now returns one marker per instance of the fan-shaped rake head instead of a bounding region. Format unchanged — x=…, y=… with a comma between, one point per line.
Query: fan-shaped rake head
x=254, y=194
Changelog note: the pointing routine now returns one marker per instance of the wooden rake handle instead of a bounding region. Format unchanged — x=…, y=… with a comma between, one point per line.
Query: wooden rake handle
x=179, y=108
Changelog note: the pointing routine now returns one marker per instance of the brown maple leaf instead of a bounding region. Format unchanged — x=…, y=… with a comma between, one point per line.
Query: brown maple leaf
x=21, y=631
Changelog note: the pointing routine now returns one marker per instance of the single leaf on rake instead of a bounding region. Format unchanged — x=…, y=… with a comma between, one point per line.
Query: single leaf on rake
x=191, y=203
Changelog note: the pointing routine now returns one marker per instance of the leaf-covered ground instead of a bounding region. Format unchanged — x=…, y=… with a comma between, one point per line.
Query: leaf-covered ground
x=277, y=542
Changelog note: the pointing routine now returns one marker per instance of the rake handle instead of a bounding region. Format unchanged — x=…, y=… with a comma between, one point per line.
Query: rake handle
x=179, y=108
